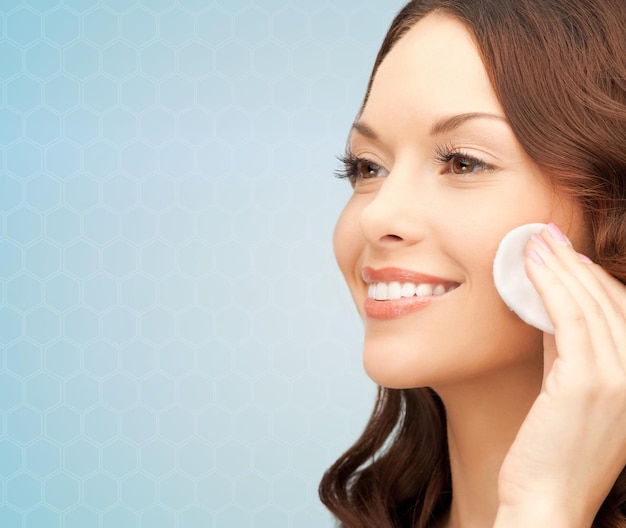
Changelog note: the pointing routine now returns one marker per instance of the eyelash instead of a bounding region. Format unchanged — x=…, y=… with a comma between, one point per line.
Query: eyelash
x=444, y=155
x=350, y=167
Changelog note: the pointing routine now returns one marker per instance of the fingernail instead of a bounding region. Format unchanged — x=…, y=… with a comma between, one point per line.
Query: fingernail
x=585, y=258
x=558, y=235
x=536, y=258
x=538, y=239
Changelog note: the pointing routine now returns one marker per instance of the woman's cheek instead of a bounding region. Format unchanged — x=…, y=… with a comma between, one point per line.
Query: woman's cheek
x=348, y=242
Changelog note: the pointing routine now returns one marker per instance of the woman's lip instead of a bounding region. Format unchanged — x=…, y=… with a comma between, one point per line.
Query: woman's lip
x=370, y=275
x=392, y=309
x=396, y=308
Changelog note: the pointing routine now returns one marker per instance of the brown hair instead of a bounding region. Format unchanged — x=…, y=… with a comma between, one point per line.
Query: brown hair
x=558, y=68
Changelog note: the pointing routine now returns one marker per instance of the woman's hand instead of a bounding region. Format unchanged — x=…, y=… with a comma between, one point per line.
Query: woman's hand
x=572, y=445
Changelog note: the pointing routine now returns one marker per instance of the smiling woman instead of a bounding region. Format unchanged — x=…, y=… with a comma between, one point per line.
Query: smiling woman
x=448, y=153
x=481, y=116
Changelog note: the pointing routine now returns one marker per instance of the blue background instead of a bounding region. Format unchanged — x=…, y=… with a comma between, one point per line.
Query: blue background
x=177, y=346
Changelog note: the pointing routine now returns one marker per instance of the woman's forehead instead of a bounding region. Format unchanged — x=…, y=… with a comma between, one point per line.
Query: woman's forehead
x=434, y=70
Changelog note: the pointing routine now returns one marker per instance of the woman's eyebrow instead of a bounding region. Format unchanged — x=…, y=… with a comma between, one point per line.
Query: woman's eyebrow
x=440, y=126
x=447, y=124
x=364, y=130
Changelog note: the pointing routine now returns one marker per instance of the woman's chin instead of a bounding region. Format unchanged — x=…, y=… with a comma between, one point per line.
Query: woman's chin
x=394, y=365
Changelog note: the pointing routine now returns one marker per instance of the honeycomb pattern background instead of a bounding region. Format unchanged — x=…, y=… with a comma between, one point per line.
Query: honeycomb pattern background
x=177, y=346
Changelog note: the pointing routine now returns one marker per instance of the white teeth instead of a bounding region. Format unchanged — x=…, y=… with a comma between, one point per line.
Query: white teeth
x=408, y=289
x=424, y=290
x=394, y=291
x=382, y=291
x=440, y=289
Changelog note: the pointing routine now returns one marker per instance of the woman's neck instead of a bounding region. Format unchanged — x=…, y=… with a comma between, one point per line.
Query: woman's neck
x=483, y=417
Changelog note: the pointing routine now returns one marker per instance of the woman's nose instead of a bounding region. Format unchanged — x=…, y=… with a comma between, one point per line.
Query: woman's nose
x=396, y=215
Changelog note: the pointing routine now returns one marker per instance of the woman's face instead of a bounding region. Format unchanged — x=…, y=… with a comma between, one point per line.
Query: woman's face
x=439, y=179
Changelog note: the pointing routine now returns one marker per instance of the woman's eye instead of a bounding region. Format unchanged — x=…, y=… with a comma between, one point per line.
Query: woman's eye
x=359, y=169
x=460, y=165
x=367, y=170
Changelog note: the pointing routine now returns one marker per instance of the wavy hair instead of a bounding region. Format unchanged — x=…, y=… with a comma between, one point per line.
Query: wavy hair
x=558, y=68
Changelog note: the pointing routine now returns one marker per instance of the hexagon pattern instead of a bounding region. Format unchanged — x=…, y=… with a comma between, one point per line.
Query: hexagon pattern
x=176, y=345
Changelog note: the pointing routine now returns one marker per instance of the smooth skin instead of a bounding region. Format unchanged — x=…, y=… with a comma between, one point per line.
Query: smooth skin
x=439, y=179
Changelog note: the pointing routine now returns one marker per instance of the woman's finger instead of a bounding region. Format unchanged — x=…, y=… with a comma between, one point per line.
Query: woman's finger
x=579, y=302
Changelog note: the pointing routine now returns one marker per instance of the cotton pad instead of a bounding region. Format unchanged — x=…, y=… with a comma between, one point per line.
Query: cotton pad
x=511, y=280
